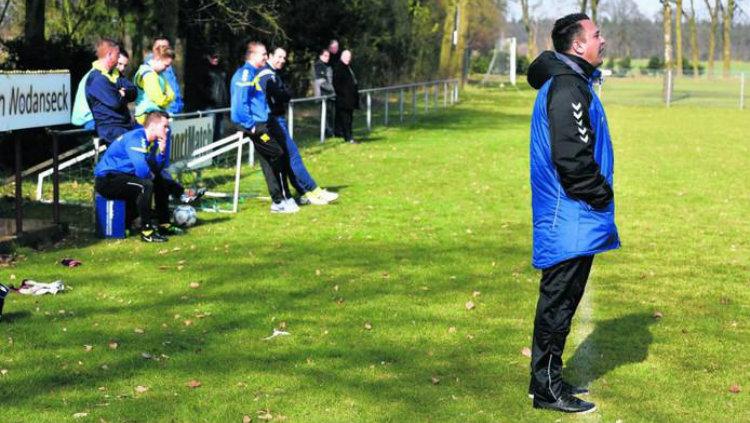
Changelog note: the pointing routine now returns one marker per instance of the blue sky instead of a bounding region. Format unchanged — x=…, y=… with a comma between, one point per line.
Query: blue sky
x=553, y=8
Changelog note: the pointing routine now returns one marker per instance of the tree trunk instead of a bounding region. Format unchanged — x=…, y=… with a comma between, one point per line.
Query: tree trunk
x=667, y=22
x=451, y=56
x=678, y=36
x=33, y=28
x=695, y=54
x=713, y=25
x=584, y=6
x=594, y=10
x=727, y=38
x=528, y=26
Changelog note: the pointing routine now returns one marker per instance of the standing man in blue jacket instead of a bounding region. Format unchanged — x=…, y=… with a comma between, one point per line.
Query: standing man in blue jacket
x=131, y=169
x=250, y=113
x=108, y=93
x=571, y=195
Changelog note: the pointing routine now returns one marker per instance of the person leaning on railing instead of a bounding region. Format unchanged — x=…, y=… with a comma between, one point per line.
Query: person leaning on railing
x=154, y=91
x=250, y=114
x=278, y=95
x=108, y=93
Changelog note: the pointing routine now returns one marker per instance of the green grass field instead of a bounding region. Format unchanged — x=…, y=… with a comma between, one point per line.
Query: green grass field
x=374, y=289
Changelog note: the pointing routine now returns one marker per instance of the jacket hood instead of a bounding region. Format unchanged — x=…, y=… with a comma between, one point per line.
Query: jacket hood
x=544, y=67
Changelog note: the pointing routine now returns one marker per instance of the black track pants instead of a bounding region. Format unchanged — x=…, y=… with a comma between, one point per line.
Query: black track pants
x=560, y=291
x=134, y=190
x=163, y=188
x=271, y=158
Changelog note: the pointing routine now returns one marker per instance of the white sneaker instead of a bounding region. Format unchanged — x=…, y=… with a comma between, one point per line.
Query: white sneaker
x=313, y=198
x=328, y=195
x=292, y=205
x=283, y=207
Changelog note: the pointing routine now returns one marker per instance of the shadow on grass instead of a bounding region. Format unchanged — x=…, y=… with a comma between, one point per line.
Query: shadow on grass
x=311, y=307
x=613, y=343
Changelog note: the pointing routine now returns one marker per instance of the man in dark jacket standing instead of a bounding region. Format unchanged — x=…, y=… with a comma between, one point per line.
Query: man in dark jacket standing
x=572, y=198
x=212, y=90
x=108, y=93
x=347, y=96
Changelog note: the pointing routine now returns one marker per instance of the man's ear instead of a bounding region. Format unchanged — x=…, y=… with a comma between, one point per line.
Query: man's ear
x=578, y=46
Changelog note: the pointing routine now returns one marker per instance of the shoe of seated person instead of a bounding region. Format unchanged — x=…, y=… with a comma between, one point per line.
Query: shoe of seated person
x=152, y=235
x=191, y=196
x=313, y=197
x=327, y=195
x=170, y=229
x=566, y=403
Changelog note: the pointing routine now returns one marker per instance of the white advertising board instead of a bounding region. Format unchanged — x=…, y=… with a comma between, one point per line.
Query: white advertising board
x=34, y=99
x=189, y=134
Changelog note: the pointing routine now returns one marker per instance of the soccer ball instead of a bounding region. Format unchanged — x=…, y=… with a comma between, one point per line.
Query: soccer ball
x=184, y=216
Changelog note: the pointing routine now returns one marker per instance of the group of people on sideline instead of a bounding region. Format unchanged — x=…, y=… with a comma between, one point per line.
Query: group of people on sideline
x=334, y=76
x=134, y=168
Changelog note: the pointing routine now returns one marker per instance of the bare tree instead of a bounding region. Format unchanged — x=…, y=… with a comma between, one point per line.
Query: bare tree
x=695, y=54
x=584, y=5
x=34, y=24
x=594, y=10
x=727, y=37
x=713, y=13
x=678, y=36
x=530, y=28
x=667, y=23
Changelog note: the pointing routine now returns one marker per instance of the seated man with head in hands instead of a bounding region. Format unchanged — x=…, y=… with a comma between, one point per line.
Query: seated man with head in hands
x=135, y=168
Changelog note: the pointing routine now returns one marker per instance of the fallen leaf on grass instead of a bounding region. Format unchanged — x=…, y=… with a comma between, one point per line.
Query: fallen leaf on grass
x=452, y=329
x=113, y=345
x=138, y=330
x=658, y=315
x=79, y=415
x=141, y=389
x=246, y=419
x=470, y=305
x=476, y=293
x=195, y=285
x=368, y=326
x=526, y=352
x=146, y=356
x=187, y=322
x=4, y=372
x=88, y=348
x=435, y=380
x=194, y=384
x=735, y=389
x=317, y=272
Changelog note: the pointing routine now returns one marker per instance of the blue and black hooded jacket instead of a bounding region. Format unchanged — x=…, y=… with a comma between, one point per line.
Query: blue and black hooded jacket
x=248, y=99
x=109, y=108
x=132, y=154
x=572, y=162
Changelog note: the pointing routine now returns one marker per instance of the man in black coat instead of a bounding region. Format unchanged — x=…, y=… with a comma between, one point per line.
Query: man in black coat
x=347, y=96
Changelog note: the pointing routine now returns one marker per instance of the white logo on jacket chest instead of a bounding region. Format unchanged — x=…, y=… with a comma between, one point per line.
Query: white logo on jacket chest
x=578, y=115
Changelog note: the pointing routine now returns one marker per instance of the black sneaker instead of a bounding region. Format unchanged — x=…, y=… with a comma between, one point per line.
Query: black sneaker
x=567, y=388
x=169, y=230
x=566, y=404
x=3, y=292
x=151, y=235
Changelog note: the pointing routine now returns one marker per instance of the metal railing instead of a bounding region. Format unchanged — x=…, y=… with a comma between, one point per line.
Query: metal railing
x=431, y=92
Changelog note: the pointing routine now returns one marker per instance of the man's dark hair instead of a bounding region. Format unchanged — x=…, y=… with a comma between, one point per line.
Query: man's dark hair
x=566, y=29
x=124, y=52
x=154, y=117
x=159, y=38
